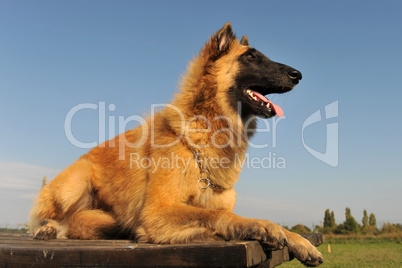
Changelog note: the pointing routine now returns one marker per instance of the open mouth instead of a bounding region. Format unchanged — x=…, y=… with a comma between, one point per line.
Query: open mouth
x=261, y=102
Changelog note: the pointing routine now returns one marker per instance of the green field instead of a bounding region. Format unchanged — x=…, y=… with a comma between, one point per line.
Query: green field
x=354, y=254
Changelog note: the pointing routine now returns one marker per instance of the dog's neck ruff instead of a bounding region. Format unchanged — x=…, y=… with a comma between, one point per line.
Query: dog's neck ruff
x=204, y=179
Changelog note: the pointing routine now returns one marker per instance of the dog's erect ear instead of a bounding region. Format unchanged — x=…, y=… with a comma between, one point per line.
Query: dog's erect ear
x=244, y=41
x=219, y=43
x=224, y=37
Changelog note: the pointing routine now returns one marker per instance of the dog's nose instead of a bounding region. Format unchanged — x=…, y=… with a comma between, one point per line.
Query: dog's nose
x=295, y=75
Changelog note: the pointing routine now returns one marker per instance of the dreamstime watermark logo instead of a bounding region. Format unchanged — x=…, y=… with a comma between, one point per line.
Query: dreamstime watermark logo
x=330, y=156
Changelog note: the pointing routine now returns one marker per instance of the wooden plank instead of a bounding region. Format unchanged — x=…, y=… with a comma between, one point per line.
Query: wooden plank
x=22, y=251
x=139, y=257
x=315, y=239
x=19, y=250
x=254, y=253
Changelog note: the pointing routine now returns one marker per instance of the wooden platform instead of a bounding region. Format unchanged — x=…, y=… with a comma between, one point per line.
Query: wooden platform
x=19, y=250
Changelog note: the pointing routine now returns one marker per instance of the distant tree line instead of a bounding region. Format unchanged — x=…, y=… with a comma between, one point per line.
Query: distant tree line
x=350, y=225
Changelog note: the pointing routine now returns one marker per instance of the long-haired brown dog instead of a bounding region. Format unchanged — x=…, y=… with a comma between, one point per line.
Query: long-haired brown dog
x=171, y=180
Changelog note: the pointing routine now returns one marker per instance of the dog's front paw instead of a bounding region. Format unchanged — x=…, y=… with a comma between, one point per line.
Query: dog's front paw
x=269, y=233
x=304, y=251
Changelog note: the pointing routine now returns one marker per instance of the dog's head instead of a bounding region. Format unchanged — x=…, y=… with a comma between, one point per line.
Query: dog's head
x=246, y=75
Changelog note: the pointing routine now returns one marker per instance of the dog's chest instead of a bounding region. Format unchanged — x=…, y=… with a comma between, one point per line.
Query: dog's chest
x=210, y=199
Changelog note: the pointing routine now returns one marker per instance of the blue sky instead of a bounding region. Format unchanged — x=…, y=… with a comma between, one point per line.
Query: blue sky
x=55, y=55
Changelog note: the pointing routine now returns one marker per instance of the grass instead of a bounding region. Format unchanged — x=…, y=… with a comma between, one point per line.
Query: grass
x=356, y=254
x=20, y=230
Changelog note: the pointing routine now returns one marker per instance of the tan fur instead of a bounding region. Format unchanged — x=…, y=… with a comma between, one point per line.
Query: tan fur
x=102, y=194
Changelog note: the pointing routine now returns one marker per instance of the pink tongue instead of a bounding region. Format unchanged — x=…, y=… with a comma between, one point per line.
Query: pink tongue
x=277, y=109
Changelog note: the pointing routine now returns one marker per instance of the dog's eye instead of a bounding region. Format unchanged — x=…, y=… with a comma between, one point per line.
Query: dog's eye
x=250, y=56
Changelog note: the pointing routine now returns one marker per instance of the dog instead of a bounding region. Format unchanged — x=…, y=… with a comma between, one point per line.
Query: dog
x=120, y=188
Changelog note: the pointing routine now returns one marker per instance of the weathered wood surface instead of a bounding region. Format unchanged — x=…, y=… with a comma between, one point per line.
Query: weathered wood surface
x=19, y=250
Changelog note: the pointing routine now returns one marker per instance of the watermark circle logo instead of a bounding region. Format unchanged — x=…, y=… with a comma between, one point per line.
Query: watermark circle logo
x=330, y=156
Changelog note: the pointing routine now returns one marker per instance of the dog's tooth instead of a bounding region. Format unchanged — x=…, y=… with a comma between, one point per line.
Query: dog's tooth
x=255, y=98
x=268, y=105
x=262, y=103
x=248, y=91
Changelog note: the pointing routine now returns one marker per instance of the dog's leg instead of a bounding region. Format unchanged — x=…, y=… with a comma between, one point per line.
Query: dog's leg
x=182, y=223
x=91, y=224
x=303, y=250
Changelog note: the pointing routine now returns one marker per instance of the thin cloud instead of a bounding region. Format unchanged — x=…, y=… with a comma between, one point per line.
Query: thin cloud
x=19, y=185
